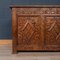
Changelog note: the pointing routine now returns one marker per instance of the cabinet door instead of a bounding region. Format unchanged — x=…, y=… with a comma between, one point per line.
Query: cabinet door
x=29, y=32
x=52, y=33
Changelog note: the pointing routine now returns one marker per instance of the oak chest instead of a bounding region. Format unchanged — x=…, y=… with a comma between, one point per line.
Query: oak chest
x=36, y=28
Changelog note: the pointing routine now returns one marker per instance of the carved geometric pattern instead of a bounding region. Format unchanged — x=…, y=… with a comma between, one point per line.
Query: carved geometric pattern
x=28, y=31
x=38, y=10
x=58, y=10
x=52, y=31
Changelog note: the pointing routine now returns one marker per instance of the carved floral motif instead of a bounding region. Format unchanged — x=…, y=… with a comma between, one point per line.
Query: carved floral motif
x=38, y=10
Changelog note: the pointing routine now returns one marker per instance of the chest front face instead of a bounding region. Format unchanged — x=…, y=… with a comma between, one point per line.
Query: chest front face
x=36, y=29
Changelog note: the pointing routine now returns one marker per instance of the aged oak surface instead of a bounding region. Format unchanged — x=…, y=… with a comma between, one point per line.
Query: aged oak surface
x=36, y=28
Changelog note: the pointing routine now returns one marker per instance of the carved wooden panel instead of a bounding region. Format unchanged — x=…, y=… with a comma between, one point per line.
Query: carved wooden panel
x=38, y=10
x=52, y=32
x=29, y=32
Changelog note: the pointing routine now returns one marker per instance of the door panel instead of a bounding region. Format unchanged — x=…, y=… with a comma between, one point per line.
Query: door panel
x=29, y=32
x=52, y=32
